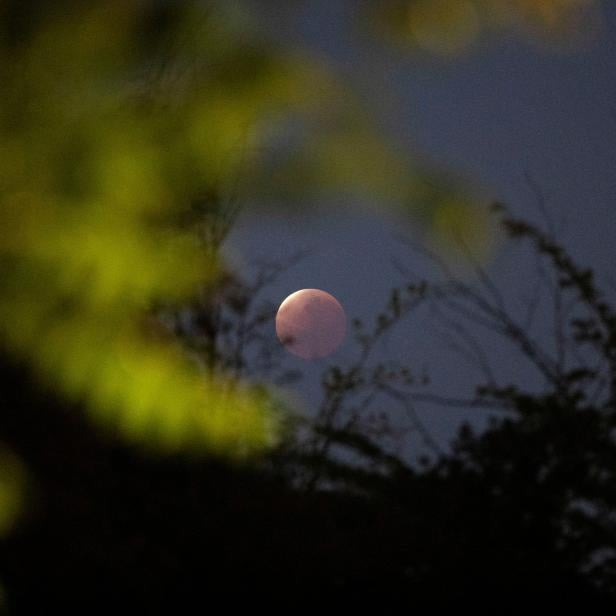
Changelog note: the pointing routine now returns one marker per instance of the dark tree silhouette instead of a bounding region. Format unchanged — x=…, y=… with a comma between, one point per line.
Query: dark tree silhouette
x=522, y=511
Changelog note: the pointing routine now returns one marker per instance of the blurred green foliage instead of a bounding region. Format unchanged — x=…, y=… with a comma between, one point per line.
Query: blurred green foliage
x=452, y=27
x=115, y=118
x=121, y=119
x=12, y=487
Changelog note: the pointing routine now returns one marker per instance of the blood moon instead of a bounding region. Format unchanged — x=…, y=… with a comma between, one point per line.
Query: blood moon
x=311, y=323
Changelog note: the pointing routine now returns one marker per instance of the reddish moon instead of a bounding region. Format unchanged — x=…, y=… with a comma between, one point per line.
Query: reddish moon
x=311, y=323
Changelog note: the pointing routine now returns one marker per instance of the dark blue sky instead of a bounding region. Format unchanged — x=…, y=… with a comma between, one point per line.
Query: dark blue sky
x=507, y=109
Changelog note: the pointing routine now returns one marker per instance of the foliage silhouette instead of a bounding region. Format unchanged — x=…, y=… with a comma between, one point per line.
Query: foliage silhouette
x=522, y=511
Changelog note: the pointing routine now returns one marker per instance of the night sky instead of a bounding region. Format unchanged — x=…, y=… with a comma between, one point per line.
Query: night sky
x=508, y=110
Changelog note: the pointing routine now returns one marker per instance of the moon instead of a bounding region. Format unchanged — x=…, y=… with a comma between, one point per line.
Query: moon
x=311, y=323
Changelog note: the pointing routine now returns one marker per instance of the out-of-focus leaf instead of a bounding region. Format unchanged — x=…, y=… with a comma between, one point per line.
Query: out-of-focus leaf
x=449, y=28
x=12, y=486
x=443, y=26
x=116, y=119
x=95, y=163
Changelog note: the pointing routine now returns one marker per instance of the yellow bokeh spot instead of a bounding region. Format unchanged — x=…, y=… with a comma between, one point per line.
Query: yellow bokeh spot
x=567, y=22
x=463, y=227
x=552, y=13
x=444, y=27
